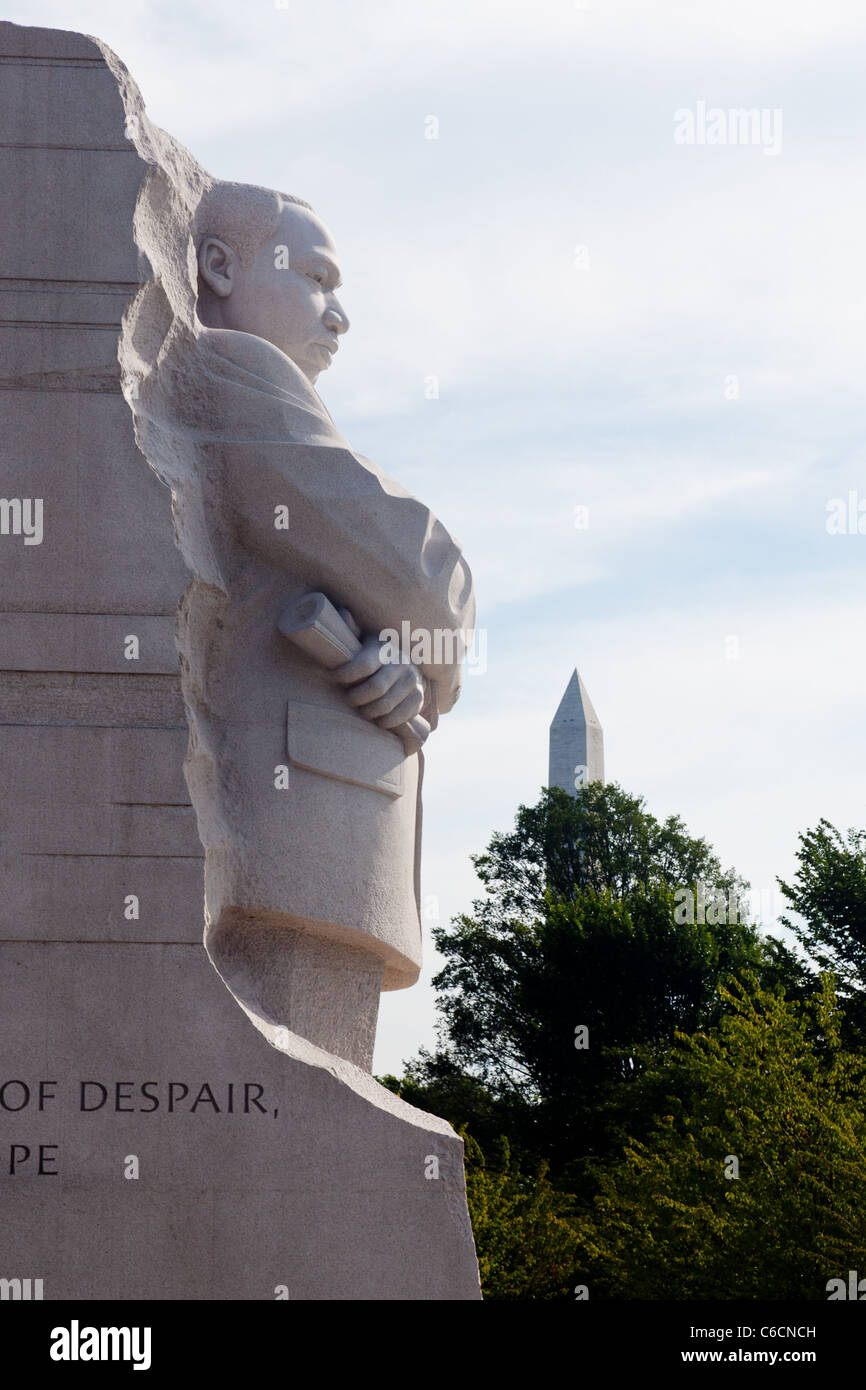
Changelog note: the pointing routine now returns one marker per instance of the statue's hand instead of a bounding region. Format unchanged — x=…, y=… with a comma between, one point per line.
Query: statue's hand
x=383, y=691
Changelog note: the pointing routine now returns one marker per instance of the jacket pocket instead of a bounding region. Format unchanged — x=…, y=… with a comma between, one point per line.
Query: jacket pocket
x=345, y=746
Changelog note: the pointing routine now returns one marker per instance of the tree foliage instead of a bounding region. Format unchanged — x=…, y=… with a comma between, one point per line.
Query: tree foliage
x=578, y=935
x=829, y=892
x=773, y=1088
x=526, y=1247
x=602, y=839
x=612, y=1056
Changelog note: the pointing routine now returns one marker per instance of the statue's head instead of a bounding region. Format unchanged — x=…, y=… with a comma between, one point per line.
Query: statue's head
x=268, y=266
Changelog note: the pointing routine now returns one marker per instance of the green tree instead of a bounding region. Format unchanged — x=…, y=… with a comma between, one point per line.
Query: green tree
x=773, y=1088
x=526, y=1247
x=602, y=839
x=829, y=894
x=579, y=931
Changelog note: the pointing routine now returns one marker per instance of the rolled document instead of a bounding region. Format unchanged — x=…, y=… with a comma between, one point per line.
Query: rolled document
x=313, y=624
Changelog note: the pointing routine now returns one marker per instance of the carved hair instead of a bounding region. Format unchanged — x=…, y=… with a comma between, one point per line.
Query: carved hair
x=241, y=214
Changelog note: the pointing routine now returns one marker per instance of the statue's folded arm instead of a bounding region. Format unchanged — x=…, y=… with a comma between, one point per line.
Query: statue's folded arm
x=376, y=551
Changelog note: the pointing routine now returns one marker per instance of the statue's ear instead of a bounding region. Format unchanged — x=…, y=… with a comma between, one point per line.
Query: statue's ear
x=218, y=265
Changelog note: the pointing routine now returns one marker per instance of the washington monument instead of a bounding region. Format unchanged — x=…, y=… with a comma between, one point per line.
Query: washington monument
x=576, y=741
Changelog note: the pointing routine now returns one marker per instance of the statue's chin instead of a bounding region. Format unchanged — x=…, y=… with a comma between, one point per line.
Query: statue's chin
x=307, y=368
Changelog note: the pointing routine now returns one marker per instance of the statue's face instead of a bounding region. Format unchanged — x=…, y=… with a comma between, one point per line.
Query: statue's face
x=287, y=295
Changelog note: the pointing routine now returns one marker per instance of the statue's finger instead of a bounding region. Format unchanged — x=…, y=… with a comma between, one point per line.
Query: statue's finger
x=361, y=665
x=372, y=689
x=405, y=710
x=392, y=698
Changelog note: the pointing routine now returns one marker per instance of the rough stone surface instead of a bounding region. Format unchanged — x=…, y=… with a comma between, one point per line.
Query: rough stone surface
x=318, y=1190
x=103, y=977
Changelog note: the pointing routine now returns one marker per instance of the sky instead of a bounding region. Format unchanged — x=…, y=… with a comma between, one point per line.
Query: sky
x=614, y=338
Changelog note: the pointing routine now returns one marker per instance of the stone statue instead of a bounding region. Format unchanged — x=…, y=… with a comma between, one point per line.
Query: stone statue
x=305, y=777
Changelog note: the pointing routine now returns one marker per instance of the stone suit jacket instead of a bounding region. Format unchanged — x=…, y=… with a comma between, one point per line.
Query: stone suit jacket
x=332, y=845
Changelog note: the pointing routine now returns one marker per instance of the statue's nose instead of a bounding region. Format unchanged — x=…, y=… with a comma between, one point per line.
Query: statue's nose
x=335, y=317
